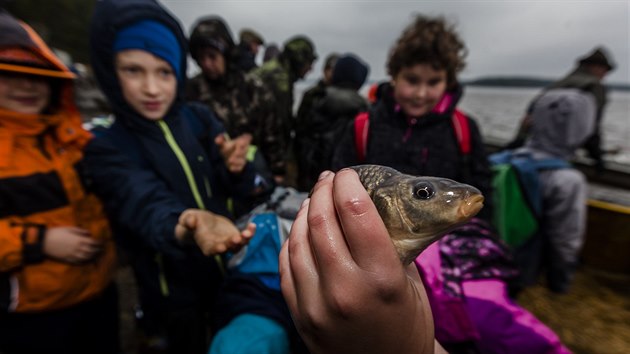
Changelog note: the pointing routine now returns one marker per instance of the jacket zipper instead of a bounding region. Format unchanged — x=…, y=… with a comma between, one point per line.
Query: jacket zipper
x=172, y=143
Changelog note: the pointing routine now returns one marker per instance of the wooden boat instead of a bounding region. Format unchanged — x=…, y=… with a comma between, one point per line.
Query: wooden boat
x=607, y=245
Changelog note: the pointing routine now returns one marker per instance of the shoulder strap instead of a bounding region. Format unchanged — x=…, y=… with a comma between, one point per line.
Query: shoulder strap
x=462, y=131
x=361, y=128
x=551, y=163
x=527, y=169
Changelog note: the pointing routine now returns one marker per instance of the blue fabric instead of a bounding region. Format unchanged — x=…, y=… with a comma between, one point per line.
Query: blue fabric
x=262, y=251
x=251, y=334
x=528, y=168
x=152, y=37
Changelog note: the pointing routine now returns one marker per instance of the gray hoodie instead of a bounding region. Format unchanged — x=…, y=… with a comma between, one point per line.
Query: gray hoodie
x=561, y=120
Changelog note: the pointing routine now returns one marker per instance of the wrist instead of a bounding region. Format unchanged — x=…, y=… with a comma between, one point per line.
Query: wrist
x=33, y=243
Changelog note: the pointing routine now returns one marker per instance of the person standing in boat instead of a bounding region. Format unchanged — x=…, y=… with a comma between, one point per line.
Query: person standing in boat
x=561, y=120
x=591, y=69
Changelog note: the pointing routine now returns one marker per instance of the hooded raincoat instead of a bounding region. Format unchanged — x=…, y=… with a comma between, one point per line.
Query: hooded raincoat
x=148, y=172
x=42, y=185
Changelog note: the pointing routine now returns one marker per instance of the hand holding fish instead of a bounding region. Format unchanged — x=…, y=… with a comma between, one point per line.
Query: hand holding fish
x=345, y=269
x=343, y=281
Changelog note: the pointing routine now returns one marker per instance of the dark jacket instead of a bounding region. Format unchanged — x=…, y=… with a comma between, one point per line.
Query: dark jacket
x=322, y=128
x=139, y=177
x=427, y=146
x=309, y=98
x=278, y=77
x=246, y=59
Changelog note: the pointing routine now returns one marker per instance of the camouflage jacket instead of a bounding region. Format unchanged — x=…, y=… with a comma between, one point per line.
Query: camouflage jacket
x=244, y=104
x=278, y=77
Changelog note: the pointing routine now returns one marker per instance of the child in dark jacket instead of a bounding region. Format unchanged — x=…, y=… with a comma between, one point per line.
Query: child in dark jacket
x=410, y=127
x=56, y=250
x=165, y=170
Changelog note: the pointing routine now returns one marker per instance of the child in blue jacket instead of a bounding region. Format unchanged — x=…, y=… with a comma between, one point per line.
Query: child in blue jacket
x=165, y=170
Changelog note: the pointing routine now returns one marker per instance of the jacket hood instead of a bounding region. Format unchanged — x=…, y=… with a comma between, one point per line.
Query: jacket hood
x=110, y=16
x=211, y=31
x=23, y=51
x=562, y=119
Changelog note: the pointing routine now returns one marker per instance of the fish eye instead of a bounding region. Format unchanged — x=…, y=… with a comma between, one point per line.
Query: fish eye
x=423, y=191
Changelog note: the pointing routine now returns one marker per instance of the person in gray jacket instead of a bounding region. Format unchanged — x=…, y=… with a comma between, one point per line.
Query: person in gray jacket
x=590, y=71
x=562, y=119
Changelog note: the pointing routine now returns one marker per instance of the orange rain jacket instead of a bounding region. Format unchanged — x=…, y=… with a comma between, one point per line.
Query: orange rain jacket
x=41, y=186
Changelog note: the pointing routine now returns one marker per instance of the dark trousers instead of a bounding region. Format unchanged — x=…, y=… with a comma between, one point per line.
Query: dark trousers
x=174, y=330
x=89, y=327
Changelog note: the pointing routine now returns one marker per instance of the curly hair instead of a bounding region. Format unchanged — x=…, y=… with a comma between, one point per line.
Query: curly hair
x=430, y=41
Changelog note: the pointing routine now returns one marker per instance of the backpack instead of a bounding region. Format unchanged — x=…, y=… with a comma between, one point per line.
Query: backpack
x=517, y=193
x=458, y=119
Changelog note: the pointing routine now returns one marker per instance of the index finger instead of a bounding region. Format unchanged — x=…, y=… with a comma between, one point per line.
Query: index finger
x=366, y=235
x=325, y=232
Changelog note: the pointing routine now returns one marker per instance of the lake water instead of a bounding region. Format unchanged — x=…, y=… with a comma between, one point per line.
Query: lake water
x=498, y=111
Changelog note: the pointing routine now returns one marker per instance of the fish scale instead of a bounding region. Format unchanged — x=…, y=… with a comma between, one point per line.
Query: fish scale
x=372, y=176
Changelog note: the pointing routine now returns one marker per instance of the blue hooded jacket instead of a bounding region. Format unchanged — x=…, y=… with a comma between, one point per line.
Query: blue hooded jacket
x=134, y=168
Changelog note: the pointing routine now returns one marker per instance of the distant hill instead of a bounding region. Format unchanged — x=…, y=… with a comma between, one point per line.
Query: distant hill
x=523, y=81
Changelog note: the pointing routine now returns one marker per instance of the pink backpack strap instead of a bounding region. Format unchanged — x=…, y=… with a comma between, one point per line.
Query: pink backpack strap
x=361, y=128
x=462, y=131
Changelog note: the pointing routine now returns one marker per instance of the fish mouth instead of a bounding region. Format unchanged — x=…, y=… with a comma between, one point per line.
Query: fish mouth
x=471, y=206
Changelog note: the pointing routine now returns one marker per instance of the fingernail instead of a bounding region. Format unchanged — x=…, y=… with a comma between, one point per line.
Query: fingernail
x=305, y=203
x=324, y=175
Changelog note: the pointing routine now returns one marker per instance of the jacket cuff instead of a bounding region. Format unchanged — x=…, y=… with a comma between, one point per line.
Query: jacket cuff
x=33, y=243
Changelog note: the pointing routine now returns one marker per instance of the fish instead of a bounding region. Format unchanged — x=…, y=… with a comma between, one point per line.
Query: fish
x=418, y=210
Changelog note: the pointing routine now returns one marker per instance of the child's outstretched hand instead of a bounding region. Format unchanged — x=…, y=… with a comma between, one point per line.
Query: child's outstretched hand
x=234, y=151
x=70, y=244
x=212, y=233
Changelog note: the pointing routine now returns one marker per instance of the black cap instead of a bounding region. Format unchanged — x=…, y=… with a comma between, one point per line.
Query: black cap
x=597, y=57
x=350, y=71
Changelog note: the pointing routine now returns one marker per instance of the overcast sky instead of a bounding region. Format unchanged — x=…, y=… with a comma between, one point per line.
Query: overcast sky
x=504, y=37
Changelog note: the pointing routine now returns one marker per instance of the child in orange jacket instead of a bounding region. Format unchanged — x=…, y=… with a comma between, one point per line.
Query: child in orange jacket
x=57, y=257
